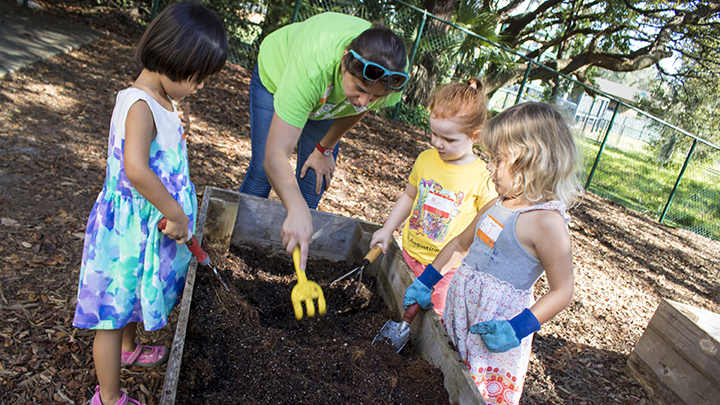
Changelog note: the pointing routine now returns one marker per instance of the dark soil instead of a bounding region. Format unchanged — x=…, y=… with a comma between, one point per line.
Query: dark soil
x=246, y=346
x=54, y=118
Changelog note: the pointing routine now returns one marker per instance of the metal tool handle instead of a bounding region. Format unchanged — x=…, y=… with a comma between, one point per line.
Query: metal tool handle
x=192, y=244
x=408, y=317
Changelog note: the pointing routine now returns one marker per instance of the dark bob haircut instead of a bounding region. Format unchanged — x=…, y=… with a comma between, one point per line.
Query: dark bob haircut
x=185, y=41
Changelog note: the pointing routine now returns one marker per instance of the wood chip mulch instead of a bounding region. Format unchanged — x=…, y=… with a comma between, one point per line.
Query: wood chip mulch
x=54, y=118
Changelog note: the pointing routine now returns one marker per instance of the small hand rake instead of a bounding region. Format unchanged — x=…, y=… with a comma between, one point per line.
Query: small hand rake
x=305, y=291
x=358, y=271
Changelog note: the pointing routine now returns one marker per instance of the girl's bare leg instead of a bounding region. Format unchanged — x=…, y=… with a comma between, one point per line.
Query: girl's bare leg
x=128, y=337
x=106, y=355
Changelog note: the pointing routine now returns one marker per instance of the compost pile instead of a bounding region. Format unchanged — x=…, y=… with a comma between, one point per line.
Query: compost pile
x=246, y=346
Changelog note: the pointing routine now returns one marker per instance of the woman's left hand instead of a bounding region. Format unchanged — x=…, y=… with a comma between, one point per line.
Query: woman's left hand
x=324, y=166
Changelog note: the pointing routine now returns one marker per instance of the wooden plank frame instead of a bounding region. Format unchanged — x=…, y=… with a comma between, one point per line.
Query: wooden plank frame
x=337, y=238
x=225, y=205
x=677, y=360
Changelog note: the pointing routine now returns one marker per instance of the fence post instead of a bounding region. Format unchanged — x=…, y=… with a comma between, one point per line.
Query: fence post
x=412, y=57
x=589, y=113
x=677, y=182
x=524, y=81
x=296, y=11
x=602, y=146
x=154, y=10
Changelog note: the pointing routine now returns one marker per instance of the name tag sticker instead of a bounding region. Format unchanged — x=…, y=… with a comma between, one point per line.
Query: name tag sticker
x=439, y=204
x=489, y=230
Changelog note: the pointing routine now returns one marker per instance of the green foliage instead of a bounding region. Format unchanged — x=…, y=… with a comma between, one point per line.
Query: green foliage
x=413, y=115
x=473, y=55
x=691, y=104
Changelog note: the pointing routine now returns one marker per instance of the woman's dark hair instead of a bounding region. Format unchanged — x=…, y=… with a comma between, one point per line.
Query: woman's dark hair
x=379, y=45
x=185, y=41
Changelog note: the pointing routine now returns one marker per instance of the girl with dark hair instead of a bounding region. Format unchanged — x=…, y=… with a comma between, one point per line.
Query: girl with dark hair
x=313, y=82
x=130, y=271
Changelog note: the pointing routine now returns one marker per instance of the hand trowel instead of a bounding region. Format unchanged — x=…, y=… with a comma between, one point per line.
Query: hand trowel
x=398, y=333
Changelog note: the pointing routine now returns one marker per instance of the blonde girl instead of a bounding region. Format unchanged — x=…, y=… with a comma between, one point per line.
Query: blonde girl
x=490, y=314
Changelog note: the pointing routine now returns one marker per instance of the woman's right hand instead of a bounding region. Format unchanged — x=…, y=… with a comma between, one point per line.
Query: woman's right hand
x=383, y=237
x=296, y=231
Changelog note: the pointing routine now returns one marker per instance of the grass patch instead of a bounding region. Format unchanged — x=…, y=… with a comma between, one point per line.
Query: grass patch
x=631, y=177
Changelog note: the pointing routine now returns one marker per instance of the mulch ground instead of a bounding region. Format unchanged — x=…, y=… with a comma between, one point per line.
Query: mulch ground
x=54, y=118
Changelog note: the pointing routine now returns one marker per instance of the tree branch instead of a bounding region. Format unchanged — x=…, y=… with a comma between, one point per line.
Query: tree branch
x=516, y=24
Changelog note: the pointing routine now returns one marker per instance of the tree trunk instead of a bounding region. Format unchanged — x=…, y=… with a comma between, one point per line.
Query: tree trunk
x=279, y=13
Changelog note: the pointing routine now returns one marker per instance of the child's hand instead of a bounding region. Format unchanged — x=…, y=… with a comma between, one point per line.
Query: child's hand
x=381, y=236
x=418, y=293
x=420, y=290
x=177, y=230
x=501, y=336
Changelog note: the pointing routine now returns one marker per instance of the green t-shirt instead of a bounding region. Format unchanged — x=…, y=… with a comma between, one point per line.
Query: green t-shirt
x=300, y=65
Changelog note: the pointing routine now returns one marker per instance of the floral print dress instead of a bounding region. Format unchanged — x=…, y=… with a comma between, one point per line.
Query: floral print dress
x=475, y=296
x=132, y=272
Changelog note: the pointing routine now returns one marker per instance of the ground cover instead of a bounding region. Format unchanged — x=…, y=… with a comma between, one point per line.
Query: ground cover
x=54, y=118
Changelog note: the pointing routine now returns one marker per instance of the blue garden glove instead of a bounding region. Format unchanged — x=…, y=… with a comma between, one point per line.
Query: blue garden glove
x=501, y=336
x=420, y=290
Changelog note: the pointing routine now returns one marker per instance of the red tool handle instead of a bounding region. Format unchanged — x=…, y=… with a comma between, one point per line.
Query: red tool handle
x=410, y=313
x=192, y=244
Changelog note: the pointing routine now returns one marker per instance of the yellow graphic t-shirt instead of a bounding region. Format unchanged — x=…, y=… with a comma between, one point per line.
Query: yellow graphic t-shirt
x=448, y=198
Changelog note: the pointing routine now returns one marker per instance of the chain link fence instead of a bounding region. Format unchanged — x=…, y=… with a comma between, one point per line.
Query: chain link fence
x=635, y=159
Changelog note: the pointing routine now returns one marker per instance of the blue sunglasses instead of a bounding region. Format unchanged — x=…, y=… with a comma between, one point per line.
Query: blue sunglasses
x=374, y=72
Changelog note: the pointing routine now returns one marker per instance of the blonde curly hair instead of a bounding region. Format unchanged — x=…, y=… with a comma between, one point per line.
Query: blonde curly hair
x=542, y=156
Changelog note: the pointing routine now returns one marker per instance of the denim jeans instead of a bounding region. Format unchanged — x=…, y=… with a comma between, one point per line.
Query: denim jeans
x=261, y=114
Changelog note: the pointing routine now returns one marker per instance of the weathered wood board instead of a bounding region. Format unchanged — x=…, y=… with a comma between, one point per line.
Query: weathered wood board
x=677, y=360
x=336, y=238
x=224, y=203
x=259, y=221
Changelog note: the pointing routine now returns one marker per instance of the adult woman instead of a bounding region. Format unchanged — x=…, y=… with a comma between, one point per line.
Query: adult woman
x=314, y=81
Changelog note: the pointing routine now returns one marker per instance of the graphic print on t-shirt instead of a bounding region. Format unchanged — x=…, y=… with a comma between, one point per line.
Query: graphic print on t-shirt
x=434, y=210
x=330, y=111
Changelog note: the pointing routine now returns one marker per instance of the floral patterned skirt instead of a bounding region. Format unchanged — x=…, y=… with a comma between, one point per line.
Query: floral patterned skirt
x=477, y=297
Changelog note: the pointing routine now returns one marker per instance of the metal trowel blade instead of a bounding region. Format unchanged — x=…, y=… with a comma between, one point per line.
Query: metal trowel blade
x=395, y=333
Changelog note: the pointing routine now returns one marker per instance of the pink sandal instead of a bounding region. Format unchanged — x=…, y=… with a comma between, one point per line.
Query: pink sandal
x=158, y=355
x=124, y=400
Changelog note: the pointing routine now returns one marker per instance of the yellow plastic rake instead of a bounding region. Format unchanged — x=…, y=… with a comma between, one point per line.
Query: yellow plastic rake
x=305, y=291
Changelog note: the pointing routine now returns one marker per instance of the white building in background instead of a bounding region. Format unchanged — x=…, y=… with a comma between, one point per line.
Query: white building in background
x=592, y=115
